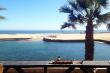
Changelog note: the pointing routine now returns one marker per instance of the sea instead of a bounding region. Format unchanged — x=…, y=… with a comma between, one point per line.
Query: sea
x=47, y=31
x=43, y=51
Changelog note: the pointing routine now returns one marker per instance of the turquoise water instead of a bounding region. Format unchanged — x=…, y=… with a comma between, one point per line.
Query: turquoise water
x=39, y=50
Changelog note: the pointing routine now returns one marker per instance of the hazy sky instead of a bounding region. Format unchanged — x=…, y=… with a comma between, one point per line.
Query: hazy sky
x=32, y=14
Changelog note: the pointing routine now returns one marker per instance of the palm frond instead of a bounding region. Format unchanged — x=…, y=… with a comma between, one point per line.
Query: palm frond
x=100, y=21
x=65, y=25
x=81, y=19
x=81, y=10
x=2, y=17
x=97, y=25
x=66, y=9
x=104, y=17
x=84, y=4
x=108, y=26
x=2, y=8
x=74, y=5
x=96, y=12
x=103, y=3
x=80, y=16
x=72, y=17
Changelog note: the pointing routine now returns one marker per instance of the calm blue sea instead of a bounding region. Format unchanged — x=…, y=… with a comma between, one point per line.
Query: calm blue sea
x=40, y=50
x=38, y=32
x=47, y=31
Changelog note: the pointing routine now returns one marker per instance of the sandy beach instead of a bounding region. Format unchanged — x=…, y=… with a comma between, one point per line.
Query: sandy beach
x=102, y=36
x=21, y=36
x=97, y=36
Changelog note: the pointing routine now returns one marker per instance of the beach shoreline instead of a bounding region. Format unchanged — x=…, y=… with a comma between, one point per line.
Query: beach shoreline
x=76, y=36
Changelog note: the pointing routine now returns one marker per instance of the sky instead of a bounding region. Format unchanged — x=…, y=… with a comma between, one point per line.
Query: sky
x=32, y=14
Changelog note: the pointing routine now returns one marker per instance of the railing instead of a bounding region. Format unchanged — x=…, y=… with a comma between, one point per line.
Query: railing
x=85, y=66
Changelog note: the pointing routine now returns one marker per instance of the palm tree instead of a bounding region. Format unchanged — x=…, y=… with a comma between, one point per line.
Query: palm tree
x=88, y=13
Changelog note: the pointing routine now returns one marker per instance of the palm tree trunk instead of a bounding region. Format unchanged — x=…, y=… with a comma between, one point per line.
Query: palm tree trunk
x=89, y=41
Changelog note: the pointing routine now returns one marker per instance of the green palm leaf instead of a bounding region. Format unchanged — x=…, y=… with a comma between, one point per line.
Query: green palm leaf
x=66, y=24
x=66, y=9
x=2, y=17
x=108, y=26
x=104, y=18
x=2, y=8
x=103, y=3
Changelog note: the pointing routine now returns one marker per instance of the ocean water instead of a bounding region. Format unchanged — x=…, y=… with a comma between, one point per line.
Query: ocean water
x=48, y=31
x=39, y=32
x=40, y=50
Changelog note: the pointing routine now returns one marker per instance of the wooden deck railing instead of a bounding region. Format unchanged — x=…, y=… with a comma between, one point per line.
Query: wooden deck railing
x=85, y=66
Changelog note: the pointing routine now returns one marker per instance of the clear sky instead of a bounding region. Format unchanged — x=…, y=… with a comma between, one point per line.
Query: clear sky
x=32, y=14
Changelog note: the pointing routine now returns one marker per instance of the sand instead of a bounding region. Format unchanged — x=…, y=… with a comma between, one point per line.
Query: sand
x=103, y=36
x=99, y=36
x=21, y=36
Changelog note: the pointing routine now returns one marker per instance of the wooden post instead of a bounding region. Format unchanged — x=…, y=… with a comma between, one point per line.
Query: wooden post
x=19, y=70
x=108, y=70
x=5, y=69
x=87, y=70
x=45, y=69
x=1, y=68
x=69, y=69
